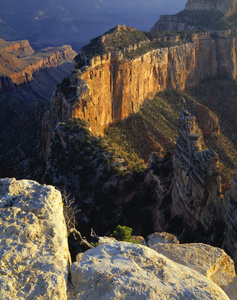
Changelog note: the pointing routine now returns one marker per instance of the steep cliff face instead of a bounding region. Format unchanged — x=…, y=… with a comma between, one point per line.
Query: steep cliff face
x=110, y=87
x=201, y=14
x=19, y=48
x=19, y=63
x=227, y=7
x=27, y=82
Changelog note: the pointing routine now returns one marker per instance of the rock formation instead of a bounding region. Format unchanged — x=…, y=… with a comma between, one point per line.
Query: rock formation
x=227, y=7
x=18, y=48
x=161, y=238
x=190, y=202
x=33, y=249
x=128, y=271
x=197, y=189
x=200, y=14
x=110, y=87
x=218, y=266
x=35, y=258
x=27, y=78
x=20, y=64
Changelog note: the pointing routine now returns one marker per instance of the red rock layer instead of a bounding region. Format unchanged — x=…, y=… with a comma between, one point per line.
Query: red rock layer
x=18, y=48
x=19, y=64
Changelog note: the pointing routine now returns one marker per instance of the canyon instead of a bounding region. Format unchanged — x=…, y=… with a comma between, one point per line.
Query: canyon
x=115, y=79
x=27, y=82
x=107, y=88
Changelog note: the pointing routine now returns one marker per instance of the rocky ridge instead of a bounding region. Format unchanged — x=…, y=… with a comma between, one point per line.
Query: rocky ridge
x=197, y=190
x=19, y=48
x=192, y=204
x=110, y=87
x=19, y=64
x=201, y=14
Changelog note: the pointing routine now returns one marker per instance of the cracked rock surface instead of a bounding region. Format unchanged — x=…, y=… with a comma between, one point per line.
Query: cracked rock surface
x=34, y=256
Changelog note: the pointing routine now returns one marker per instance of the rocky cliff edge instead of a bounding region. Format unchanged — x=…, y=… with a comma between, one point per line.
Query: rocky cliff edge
x=110, y=86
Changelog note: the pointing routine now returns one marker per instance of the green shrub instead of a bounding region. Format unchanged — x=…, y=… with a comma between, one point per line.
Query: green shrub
x=123, y=233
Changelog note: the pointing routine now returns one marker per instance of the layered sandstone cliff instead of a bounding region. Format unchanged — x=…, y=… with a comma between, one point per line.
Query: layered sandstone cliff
x=227, y=7
x=110, y=87
x=19, y=63
x=19, y=48
x=201, y=14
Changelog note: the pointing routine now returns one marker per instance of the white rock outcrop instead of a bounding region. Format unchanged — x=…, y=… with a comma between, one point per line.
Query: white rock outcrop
x=161, y=237
x=209, y=261
x=129, y=271
x=103, y=240
x=34, y=256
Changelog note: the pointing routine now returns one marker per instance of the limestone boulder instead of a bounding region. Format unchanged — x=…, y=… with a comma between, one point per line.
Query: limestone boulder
x=161, y=237
x=209, y=261
x=33, y=249
x=103, y=240
x=129, y=271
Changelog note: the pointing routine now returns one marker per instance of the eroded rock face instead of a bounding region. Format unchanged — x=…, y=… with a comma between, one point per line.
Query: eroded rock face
x=19, y=48
x=197, y=190
x=199, y=14
x=128, y=271
x=33, y=249
x=110, y=87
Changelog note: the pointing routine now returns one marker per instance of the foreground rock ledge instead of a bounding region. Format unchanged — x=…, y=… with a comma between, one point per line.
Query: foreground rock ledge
x=33, y=250
x=209, y=261
x=129, y=271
